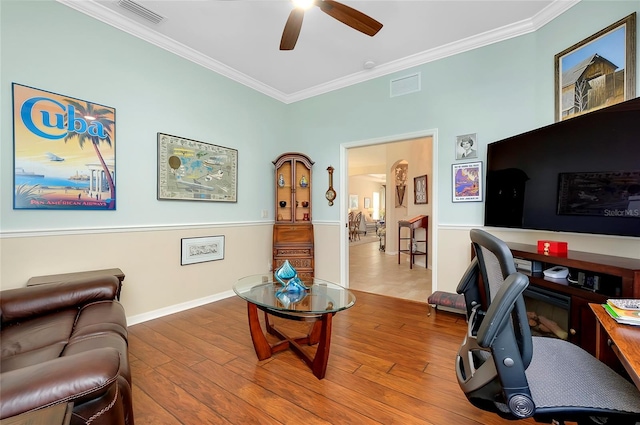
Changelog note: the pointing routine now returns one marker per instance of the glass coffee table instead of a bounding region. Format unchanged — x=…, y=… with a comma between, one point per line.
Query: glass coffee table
x=318, y=304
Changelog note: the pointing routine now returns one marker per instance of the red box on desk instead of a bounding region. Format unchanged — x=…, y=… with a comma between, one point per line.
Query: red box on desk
x=552, y=247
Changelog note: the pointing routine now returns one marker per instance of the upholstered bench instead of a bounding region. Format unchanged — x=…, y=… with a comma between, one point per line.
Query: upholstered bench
x=446, y=299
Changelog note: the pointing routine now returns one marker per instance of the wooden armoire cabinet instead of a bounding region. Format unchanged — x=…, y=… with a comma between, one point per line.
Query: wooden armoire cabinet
x=293, y=231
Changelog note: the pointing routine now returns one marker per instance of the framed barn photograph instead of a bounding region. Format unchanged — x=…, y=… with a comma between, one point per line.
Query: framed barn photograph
x=597, y=72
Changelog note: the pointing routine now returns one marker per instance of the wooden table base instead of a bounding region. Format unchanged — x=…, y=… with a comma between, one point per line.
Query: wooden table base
x=319, y=334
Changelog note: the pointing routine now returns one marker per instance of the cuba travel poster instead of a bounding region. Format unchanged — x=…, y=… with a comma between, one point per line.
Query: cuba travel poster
x=64, y=152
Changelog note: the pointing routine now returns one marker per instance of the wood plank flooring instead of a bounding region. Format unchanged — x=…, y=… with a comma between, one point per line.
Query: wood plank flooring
x=390, y=364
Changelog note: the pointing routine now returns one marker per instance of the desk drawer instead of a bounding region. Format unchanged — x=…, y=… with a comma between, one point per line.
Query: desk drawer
x=287, y=252
x=300, y=264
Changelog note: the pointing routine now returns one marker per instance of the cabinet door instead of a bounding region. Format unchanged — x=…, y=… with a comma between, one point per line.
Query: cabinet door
x=583, y=324
x=302, y=193
x=293, y=188
x=284, y=192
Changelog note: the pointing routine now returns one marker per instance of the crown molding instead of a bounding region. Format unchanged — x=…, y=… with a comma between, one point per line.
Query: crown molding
x=121, y=22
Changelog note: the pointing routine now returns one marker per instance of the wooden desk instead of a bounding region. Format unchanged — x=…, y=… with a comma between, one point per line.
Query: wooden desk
x=614, y=340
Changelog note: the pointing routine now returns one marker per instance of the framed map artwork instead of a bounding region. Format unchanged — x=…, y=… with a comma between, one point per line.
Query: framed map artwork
x=189, y=170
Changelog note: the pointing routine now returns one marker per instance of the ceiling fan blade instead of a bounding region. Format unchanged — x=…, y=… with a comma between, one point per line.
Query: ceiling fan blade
x=351, y=17
x=292, y=29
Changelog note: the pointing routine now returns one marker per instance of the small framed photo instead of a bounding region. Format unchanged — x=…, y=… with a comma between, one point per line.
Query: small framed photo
x=467, y=182
x=202, y=249
x=598, y=71
x=467, y=146
x=353, y=202
x=420, y=190
x=367, y=203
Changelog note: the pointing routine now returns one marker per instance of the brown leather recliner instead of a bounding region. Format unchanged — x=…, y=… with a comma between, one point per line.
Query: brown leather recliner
x=66, y=342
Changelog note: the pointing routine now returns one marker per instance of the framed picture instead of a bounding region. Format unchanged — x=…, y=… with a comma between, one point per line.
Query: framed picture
x=64, y=152
x=353, y=202
x=202, y=249
x=189, y=170
x=467, y=182
x=367, y=203
x=420, y=190
x=466, y=146
x=599, y=71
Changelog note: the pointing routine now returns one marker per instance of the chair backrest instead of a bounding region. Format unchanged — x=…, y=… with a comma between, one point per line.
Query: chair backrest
x=492, y=360
x=356, y=220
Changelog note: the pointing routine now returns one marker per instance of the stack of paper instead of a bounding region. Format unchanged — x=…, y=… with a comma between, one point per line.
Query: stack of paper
x=627, y=316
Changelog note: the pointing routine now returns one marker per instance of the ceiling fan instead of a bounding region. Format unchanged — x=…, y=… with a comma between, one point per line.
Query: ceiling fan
x=343, y=13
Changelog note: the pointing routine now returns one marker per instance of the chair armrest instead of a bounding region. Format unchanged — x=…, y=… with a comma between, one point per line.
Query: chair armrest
x=499, y=312
x=19, y=303
x=75, y=378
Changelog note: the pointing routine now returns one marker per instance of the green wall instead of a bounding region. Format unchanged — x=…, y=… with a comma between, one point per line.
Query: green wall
x=50, y=46
x=495, y=91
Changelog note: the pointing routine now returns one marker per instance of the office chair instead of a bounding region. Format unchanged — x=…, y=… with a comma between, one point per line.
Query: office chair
x=503, y=369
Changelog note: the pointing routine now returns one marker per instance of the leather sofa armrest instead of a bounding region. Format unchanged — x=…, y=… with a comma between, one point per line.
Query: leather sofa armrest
x=20, y=303
x=75, y=378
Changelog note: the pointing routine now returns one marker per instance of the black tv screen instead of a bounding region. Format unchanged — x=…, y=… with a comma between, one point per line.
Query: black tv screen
x=579, y=175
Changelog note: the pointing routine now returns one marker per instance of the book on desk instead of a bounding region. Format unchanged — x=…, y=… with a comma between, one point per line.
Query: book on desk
x=623, y=316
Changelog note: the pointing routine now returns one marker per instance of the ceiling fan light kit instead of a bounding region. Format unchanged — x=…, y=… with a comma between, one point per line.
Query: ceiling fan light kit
x=343, y=13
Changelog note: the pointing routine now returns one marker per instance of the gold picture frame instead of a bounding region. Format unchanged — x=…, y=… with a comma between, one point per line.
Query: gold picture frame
x=598, y=71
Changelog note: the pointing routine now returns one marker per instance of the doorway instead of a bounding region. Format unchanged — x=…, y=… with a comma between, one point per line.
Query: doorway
x=366, y=266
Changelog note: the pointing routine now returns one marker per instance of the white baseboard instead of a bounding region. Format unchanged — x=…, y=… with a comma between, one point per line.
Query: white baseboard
x=165, y=311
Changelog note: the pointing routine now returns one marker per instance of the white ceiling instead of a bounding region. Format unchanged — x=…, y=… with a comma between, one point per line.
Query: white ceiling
x=240, y=39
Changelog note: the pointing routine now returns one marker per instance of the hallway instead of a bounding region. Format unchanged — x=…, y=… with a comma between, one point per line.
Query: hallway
x=371, y=270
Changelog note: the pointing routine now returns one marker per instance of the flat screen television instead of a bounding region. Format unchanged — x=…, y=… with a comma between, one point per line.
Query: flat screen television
x=580, y=175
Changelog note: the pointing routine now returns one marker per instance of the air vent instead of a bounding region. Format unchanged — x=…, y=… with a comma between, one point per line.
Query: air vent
x=141, y=11
x=405, y=85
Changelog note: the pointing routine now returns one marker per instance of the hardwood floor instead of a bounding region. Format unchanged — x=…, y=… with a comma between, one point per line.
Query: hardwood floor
x=389, y=364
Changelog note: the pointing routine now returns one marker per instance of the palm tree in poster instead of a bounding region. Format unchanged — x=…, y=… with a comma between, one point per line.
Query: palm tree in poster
x=100, y=115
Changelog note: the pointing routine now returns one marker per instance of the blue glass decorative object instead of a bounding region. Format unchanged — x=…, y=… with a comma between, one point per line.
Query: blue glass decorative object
x=285, y=272
x=287, y=298
x=292, y=286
